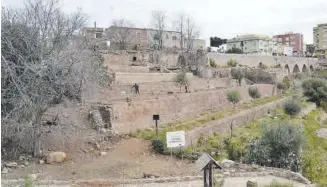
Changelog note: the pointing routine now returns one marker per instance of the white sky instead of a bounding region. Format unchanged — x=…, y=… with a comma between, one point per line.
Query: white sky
x=221, y=18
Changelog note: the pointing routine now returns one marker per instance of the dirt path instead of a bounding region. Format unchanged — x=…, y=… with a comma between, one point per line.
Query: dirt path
x=129, y=160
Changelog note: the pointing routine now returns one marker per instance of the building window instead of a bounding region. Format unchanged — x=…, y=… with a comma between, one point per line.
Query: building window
x=98, y=35
x=174, y=38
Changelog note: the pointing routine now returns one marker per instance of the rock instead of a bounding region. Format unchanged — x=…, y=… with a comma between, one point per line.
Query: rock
x=149, y=175
x=32, y=176
x=41, y=161
x=97, y=146
x=227, y=163
x=22, y=166
x=5, y=170
x=21, y=158
x=56, y=157
x=103, y=130
x=251, y=183
x=26, y=163
x=11, y=164
x=103, y=153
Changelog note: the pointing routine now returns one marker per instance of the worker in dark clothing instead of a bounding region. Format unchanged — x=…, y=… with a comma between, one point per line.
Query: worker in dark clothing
x=137, y=88
x=186, y=88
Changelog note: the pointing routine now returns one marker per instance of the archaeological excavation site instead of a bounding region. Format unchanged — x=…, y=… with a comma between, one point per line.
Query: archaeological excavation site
x=142, y=107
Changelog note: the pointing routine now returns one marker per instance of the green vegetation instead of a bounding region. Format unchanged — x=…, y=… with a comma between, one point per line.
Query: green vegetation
x=291, y=108
x=281, y=87
x=158, y=146
x=287, y=83
x=212, y=63
x=315, y=89
x=277, y=184
x=315, y=153
x=28, y=182
x=237, y=74
x=181, y=80
x=234, y=97
x=254, y=92
x=276, y=66
x=232, y=63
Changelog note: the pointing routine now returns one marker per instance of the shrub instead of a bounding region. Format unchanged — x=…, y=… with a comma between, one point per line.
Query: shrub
x=231, y=63
x=28, y=182
x=291, y=108
x=313, y=167
x=323, y=105
x=279, y=146
x=158, y=146
x=233, y=97
x=287, y=83
x=181, y=80
x=281, y=86
x=238, y=75
x=212, y=63
x=254, y=92
x=315, y=89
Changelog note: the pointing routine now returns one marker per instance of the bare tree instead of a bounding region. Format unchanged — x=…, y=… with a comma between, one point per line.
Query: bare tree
x=187, y=30
x=43, y=63
x=122, y=33
x=159, y=22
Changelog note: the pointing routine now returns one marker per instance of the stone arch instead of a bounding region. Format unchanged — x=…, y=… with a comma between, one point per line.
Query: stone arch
x=311, y=68
x=304, y=68
x=287, y=68
x=296, y=69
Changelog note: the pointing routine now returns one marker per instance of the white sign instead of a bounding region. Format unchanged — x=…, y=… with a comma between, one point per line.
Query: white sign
x=108, y=43
x=175, y=139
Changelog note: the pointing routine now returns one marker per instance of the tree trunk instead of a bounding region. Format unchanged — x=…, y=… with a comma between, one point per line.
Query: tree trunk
x=37, y=137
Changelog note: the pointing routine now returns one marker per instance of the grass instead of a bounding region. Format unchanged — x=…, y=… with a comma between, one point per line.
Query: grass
x=204, y=118
x=277, y=184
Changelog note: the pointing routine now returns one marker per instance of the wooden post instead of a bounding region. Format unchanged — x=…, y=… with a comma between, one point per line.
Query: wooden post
x=210, y=174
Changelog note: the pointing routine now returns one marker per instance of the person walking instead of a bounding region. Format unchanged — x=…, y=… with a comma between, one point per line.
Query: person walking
x=137, y=88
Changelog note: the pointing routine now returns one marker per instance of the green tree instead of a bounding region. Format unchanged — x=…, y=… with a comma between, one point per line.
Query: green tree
x=315, y=89
x=291, y=108
x=279, y=146
x=254, y=92
x=287, y=83
x=234, y=97
x=238, y=75
x=181, y=80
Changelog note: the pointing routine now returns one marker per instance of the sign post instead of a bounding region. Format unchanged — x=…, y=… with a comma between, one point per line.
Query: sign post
x=156, y=118
x=206, y=164
x=175, y=139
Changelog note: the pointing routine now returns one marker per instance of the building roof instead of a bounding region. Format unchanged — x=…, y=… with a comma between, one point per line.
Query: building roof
x=249, y=37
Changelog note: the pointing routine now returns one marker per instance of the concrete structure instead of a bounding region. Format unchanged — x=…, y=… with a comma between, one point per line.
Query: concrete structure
x=291, y=39
x=253, y=44
x=144, y=38
x=320, y=39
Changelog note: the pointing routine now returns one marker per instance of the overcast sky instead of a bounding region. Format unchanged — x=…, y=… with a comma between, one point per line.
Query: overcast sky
x=222, y=18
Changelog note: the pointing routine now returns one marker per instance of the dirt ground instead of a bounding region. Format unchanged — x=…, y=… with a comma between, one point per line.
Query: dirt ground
x=128, y=160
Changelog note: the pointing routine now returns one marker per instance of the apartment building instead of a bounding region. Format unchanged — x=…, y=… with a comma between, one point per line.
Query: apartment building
x=254, y=44
x=320, y=39
x=294, y=40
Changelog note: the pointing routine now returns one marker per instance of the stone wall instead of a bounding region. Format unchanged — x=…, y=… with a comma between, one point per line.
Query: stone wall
x=138, y=114
x=131, y=78
x=254, y=60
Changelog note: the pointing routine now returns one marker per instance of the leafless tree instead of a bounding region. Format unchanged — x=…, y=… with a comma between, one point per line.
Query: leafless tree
x=187, y=30
x=42, y=64
x=159, y=23
x=121, y=34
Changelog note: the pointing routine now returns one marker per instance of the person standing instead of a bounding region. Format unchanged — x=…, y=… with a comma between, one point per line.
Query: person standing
x=137, y=88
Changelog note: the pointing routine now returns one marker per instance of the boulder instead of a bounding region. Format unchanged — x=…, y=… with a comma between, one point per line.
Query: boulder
x=5, y=170
x=32, y=176
x=251, y=183
x=57, y=157
x=103, y=130
x=227, y=163
x=103, y=153
x=11, y=164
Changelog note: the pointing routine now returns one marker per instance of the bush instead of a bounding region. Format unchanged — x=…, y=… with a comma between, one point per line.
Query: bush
x=291, y=108
x=158, y=146
x=231, y=63
x=279, y=146
x=212, y=63
x=181, y=80
x=313, y=168
x=233, y=97
x=281, y=86
x=315, y=89
x=254, y=92
x=287, y=83
x=237, y=74
x=323, y=105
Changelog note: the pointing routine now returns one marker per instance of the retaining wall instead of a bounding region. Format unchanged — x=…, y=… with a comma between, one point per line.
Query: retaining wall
x=254, y=60
x=131, y=78
x=136, y=115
